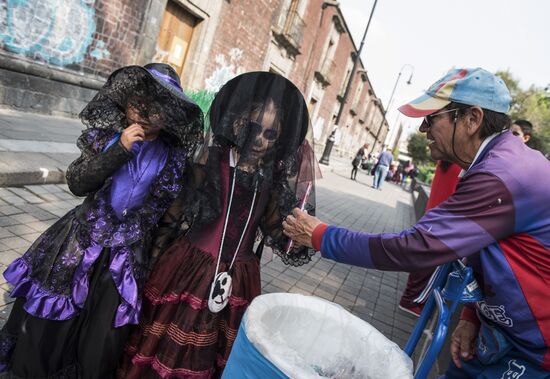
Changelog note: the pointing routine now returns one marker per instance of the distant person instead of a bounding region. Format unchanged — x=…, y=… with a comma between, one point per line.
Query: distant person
x=408, y=167
x=357, y=160
x=522, y=129
x=384, y=162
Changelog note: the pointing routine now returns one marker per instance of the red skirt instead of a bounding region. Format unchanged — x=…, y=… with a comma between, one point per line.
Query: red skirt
x=178, y=336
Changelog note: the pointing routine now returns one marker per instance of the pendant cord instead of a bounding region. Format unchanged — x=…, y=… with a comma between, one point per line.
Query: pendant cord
x=226, y=221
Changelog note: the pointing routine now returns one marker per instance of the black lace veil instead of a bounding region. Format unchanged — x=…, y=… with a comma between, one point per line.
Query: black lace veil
x=264, y=117
x=154, y=93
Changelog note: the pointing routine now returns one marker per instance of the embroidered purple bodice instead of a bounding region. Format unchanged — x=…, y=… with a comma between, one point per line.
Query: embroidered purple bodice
x=53, y=275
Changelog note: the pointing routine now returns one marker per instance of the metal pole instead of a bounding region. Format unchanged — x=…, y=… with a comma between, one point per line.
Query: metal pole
x=389, y=103
x=326, y=154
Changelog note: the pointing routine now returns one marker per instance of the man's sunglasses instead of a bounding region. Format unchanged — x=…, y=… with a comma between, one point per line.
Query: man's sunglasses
x=429, y=118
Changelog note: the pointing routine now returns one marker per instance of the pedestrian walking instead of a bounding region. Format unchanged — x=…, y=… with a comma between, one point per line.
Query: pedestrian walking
x=382, y=166
x=358, y=160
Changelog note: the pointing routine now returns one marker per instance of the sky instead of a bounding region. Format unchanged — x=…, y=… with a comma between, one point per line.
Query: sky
x=436, y=35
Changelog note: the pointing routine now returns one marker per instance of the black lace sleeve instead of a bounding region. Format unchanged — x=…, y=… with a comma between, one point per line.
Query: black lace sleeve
x=89, y=171
x=169, y=229
x=272, y=228
x=175, y=222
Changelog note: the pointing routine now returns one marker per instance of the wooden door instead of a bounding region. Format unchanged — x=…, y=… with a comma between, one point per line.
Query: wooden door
x=175, y=36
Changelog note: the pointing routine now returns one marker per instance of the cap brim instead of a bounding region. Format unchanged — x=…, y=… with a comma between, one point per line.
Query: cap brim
x=423, y=106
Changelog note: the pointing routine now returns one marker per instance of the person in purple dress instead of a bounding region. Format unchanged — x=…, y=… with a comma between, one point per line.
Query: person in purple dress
x=79, y=286
x=256, y=165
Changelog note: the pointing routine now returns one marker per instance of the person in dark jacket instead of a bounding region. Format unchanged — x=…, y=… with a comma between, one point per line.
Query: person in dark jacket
x=358, y=160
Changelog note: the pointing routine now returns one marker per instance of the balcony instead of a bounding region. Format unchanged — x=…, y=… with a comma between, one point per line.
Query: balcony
x=289, y=31
x=323, y=74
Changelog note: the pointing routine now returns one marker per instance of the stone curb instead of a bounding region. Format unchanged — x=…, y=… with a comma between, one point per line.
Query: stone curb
x=23, y=178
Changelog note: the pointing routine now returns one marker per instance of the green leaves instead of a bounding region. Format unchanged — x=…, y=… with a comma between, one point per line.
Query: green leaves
x=532, y=104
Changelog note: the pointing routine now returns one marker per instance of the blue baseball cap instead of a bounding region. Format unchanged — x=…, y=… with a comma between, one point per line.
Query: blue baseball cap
x=470, y=86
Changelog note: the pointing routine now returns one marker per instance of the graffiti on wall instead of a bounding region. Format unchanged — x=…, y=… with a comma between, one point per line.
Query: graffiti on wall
x=225, y=70
x=57, y=31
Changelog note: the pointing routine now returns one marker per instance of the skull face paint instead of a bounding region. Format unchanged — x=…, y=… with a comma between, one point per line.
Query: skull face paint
x=261, y=132
x=220, y=292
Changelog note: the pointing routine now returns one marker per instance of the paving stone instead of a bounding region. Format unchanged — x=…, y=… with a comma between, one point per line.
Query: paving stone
x=7, y=221
x=64, y=187
x=52, y=188
x=20, y=229
x=8, y=256
x=346, y=303
x=346, y=295
x=351, y=288
x=38, y=226
x=36, y=212
x=37, y=190
x=15, y=242
x=327, y=295
x=300, y=291
x=31, y=237
x=24, y=194
x=305, y=286
x=4, y=232
x=270, y=288
x=293, y=274
x=8, y=210
x=24, y=218
x=48, y=196
x=286, y=278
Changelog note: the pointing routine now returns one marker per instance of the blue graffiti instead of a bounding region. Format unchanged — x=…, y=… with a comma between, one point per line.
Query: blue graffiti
x=100, y=51
x=57, y=31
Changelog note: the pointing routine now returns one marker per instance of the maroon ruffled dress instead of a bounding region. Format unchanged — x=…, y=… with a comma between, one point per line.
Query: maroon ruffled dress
x=179, y=337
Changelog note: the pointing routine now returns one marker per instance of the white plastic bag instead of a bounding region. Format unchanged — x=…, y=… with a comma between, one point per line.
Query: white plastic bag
x=310, y=338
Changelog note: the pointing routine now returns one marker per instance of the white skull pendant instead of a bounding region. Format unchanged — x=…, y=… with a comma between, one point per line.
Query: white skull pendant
x=219, y=292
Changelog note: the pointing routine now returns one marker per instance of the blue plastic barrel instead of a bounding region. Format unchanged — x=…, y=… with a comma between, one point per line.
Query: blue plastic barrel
x=294, y=336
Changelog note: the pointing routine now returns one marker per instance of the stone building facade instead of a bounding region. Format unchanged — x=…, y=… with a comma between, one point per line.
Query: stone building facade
x=54, y=54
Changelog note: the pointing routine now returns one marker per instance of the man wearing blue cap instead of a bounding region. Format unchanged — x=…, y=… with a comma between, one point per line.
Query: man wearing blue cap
x=497, y=218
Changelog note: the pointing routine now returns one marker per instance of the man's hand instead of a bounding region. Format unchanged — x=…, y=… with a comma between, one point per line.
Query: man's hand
x=299, y=226
x=462, y=341
x=131, y=135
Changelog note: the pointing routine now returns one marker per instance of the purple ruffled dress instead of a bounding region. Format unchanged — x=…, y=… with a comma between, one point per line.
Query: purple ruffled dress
x=79, y=285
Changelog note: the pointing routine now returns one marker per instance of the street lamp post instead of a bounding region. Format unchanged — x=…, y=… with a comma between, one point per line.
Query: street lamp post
x=328, y=145
x=384, y=111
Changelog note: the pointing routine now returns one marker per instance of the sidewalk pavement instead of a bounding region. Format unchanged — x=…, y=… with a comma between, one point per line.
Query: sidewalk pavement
x=36, y=149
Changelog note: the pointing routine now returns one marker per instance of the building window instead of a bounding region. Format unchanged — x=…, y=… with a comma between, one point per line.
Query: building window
x=327, y=67
x=289, y=28
x=344, y=84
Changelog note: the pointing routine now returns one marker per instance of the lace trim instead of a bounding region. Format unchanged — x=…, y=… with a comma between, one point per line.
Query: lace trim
x=167, y=372
x=194, y=301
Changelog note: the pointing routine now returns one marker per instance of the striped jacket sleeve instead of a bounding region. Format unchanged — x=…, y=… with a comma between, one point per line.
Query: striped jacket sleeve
x=480, y=213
